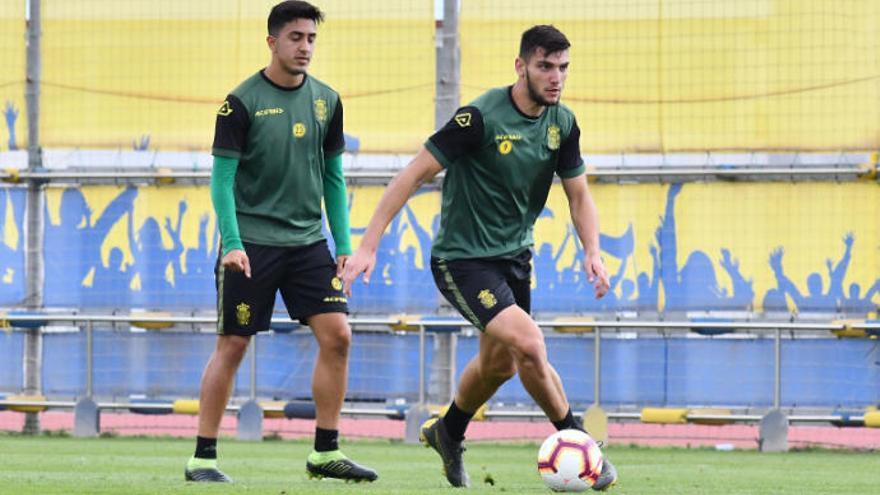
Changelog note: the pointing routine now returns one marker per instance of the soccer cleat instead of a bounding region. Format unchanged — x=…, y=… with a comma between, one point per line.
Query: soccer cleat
x=204, y=470
x=607, y=478
x=336, y=465
x=434, y=435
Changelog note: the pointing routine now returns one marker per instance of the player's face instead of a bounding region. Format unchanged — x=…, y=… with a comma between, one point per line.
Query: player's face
x=294, y=45
x=545, y=76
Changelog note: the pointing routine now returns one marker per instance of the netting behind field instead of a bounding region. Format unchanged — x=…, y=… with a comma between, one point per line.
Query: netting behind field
x=694, y=75
x=150, y=74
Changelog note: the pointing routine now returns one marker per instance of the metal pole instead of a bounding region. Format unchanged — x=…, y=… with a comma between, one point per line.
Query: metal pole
x=33, y=216
x=421, y=364
x=90, y=360
x=777, y=380
x=597, y=364
x=448, y=59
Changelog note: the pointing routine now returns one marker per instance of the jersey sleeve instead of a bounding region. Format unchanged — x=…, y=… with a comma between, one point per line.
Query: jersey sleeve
x=334, y=140
x=461, y=135
x=569, y=162
x=231, y=128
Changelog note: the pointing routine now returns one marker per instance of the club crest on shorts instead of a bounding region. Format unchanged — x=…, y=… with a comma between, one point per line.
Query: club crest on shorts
x=487, y=299
x=243, y=314
x=336, y=283
x=553, y=137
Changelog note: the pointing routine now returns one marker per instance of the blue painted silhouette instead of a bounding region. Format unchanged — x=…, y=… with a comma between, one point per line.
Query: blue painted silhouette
x=142, y=143
x=11, y=115
x=152, y=259
x=12, y=276
x=817, y=299
x=695, y=286
x=110, y=286
x=73, y=248
x=194, y=282
x=647, y=298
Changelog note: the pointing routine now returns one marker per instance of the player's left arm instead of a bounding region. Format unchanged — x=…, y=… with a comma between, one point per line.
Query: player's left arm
x=335, y=194
x=584, y=215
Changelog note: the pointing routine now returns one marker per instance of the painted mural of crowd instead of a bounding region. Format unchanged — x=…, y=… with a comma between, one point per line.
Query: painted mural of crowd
x=154, y=275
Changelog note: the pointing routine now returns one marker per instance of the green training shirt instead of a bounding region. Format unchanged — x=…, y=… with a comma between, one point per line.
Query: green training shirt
x=280, y=137
x=499, y=168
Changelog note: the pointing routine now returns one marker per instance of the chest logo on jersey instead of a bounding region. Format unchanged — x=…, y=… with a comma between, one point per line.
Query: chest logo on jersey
x=463, y=119
x=321, y=109
x=553, y=137
x=268, y=111
x=299, y=130
x=225, y=109
x=505, y=142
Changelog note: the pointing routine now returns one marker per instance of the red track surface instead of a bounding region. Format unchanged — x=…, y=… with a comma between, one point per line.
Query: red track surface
x=740, y=436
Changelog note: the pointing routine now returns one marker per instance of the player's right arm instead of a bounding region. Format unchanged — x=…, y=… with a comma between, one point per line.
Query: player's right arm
x=229, y=140
x=421, y=169
x=459, y=136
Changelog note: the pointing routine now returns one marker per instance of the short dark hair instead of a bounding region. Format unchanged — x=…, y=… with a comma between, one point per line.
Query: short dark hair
x=290, y=10
x=542, y=36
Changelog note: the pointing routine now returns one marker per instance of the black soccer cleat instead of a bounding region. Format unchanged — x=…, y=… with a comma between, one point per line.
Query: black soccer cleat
x=607, y=478
x=342, y=469
x=209, y=475
x=434, y=435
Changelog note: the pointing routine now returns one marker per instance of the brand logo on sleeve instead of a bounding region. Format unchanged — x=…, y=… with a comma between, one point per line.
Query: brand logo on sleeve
x=225, y=109
x=463, y=119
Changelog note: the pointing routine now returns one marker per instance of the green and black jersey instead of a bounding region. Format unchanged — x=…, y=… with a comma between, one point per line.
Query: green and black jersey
x=499, y=168
x=281, y=137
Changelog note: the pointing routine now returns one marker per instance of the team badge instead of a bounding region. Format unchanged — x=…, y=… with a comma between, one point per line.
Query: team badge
x=463, y=119
x=336, y=283
x=299, y=129
x=243, y=314
x=321, y=109
x=505, y=147
x=225, y=109
x=553, y=137
x=487, y=299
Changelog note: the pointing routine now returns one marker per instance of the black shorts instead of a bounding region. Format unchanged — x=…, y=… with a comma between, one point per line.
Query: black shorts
x=480, y=288
x=305, y=275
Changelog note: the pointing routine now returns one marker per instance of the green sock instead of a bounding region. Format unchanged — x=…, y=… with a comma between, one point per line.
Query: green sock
x=196, y=463
x=321, y=457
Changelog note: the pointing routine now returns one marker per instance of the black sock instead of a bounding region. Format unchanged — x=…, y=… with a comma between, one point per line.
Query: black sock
x=568, y=422
x=456, y=421
x=206, y=448
x=326, y=440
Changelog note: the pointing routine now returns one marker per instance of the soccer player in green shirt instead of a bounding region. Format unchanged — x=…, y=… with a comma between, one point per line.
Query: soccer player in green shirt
x=500, y=154
x=277, y=154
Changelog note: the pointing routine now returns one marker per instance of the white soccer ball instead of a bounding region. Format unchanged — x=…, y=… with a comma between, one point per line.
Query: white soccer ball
x=569, y=461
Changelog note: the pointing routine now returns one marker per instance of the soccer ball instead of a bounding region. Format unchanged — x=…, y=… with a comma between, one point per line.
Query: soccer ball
x=569, y=461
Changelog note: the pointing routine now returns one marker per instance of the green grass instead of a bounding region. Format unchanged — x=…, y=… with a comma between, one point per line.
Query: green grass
x=57, y=465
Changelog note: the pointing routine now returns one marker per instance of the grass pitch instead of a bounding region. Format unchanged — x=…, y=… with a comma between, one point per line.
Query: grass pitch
x=62, y=465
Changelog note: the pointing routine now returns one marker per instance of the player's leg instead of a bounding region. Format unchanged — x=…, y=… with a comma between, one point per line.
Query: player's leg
x=477, y=289
x=244, y=307
x=519, y=280
x=313, y=295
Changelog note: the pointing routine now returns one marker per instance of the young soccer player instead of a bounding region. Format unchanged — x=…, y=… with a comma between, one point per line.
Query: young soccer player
x=277, y=155
x=500, y=154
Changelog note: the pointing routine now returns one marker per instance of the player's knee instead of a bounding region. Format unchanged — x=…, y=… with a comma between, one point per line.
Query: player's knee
x=530, y=353
x=499, y=372
x=232, y=348
x=336, y=341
